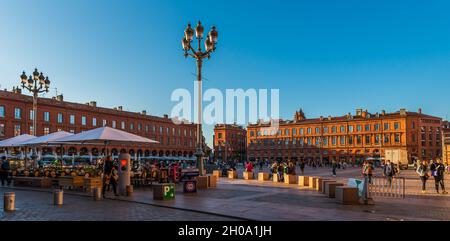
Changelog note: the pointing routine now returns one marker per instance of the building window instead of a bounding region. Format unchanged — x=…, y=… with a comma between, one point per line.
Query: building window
x=131, y=126
x=139, y=126
x=32, y=130
x=325, y=130
x=396, y=125
x=333, y=129
x=17, y=130
x=252, y=133
x=161, y=130
x=367, y=127
x=46, y=116
x=397, y=138
x=265, y=133
x=414, y=125
x=350, y=129
x=350, y=140
x=377, y=127
x=83, y=120
x=294, y=131
x=31, y=114
x=72, y=119
x=113, y=124
x=386, y=126
x=377, y=139
x=413, y=138
x=46, y=131
x=220, y=135
x=342, y=140
x=301, y=131
x=358, y=140
x=309, y=141
x=309, y=130
x=358, y=128
x=60, y=118
x=317, y=130
x=286, y=132
x=367, y=140
x=325, y=141
x=2, y=129
x=94, y=121
x=342, y=129
x=333, y=140
x=386, y=138
x=72, y=131
x=2, y=111
x=104, y=123
x=17, y=113
x=122, y=125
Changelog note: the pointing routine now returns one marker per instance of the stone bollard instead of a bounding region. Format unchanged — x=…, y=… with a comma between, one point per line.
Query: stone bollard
x=129, y=190
x=9, y=201
x=98, y=194
x=58, y=197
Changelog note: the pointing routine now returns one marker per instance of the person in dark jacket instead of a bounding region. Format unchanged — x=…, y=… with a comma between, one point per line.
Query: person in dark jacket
x=108, y=178
x=5, y=169
x=389, y=172
x=438, y=170
x=302, y=166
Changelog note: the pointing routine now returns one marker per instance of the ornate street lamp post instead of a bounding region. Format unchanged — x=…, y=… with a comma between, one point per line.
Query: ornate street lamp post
x=199, y=55
x=36, y=84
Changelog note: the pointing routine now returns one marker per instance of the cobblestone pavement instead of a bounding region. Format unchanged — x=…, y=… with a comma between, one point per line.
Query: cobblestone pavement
x=38, y=206
x=241, y=199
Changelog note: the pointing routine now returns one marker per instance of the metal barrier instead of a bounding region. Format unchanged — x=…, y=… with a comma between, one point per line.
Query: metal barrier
x=380, y=187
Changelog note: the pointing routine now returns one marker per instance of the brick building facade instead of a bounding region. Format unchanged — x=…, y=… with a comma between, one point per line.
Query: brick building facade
x=55, y=114
x=229, y=142
x=350, y=137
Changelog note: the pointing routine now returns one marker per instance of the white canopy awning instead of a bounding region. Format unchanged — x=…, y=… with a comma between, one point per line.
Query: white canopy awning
x=105, y=135
x=47, y=139
x=16, y=141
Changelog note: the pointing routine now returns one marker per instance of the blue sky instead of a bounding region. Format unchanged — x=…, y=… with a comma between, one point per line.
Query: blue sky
x=327, y=57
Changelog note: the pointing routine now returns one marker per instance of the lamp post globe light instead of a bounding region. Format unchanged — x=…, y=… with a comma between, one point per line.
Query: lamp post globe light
x=199, y=54
x=36, y=84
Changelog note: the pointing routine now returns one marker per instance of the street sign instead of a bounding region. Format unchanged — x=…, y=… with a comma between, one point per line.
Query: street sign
x=169, y=192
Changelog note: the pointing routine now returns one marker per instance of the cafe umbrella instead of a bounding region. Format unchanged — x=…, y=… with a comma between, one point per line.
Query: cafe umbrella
x=16, y=141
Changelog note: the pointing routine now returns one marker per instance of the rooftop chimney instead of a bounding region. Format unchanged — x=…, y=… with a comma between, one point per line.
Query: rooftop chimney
x=17, y=90
x=329, y=117
x=166, y=116
x=420, y=110
x=119, y=108
x=93, y=103
x=402, y=111
x=60, y=98
x=383, y=112
x=144, y=112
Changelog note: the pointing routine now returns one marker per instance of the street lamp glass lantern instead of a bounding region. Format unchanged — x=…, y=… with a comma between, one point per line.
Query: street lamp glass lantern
x=185, y=44
x=208, y=44
x=30, y=81
x=36, y=74
x=41, y=79
x=23, y=78
x=47, y=82
x=199, y=30
x=213, y=34
x=189, y=33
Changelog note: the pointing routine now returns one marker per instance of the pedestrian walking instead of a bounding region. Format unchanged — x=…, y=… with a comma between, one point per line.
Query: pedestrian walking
x=5, y=170
x=389, y=172
x=302, y=166
x=437, y=171
x=108, y=176
x=422, y=170
x=367, y=170
x=334, y=166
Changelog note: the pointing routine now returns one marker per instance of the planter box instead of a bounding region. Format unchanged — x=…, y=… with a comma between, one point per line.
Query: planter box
x=248, y=175
x=76, y=182
x=303, y=181
x=275, y=177
x=347, y=195
x=217, y=173
x=319, y=182
x=212, y=180
x=232, y=175
x=312, y=182
x=91, y=183
x=324, y=183
x=40, y=182
x=330, y=188
x=262, y=176
x=202, y=182
x=290, y=179
x=164, y=191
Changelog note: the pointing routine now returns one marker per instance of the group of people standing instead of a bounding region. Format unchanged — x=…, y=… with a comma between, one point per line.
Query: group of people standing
x=436, y=169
